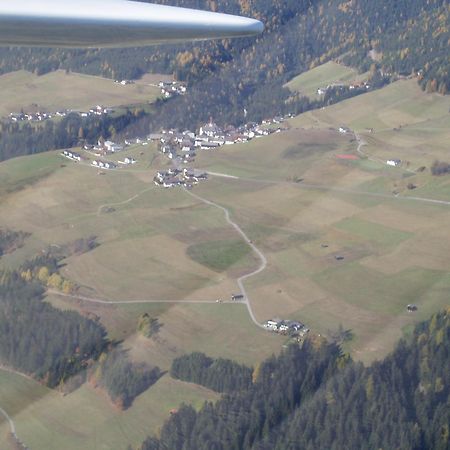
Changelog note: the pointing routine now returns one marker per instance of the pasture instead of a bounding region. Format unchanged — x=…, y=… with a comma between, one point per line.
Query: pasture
x=322, y=76
x=60, y=90
x=144, y=235
x=342, y=249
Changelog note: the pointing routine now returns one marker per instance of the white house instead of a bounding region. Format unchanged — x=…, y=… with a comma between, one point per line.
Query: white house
x=393, y=162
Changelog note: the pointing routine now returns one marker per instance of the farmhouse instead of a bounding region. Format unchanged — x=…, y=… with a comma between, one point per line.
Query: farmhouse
x=112, y=147
x=393, y=162
x=71, y=155
x=103, y=164
x=286, y=326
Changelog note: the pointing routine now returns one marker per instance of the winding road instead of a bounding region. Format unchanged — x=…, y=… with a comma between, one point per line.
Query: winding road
x=256, y=250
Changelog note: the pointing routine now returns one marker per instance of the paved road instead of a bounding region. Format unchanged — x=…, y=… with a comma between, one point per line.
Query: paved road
x=263, y=259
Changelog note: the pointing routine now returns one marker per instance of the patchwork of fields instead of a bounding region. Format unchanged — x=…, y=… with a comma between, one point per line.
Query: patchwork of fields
x=347, y=243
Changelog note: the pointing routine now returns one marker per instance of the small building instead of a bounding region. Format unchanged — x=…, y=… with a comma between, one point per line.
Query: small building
x=237, y=297
x=411, y=308
x=113, y=147
x=209, y=145
x=393, y=162
x=272, y=324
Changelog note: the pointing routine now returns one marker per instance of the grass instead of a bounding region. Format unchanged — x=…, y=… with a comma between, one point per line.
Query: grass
x=308, y=82
x=219, y=255
x=387, y=237
x=59, y=90
x=85, y=418
x=163, y=244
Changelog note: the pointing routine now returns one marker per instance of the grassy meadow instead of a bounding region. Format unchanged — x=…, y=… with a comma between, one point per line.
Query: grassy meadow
x=321, y=76
x=60, y=90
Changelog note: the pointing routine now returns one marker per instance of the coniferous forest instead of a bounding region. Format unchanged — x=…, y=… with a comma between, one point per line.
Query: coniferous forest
x=40, y=340
x=314, y=397
x=220, y=375
x=122, y=379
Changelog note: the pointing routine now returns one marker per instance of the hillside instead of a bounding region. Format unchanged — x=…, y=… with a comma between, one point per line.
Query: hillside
x=408, y=37
x=60, y=91
x=312, y=397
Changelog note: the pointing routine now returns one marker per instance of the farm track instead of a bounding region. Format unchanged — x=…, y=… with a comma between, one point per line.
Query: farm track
x=323, y=187
x=12, y=428
x=130, y=302
x=259, y=253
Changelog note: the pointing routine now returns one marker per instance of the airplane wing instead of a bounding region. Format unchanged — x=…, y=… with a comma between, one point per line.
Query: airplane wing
x=112, y=23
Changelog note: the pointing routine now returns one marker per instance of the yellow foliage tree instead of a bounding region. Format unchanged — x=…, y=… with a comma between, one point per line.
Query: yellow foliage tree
x=43, y=274
x=55, y=281
x=68, y=287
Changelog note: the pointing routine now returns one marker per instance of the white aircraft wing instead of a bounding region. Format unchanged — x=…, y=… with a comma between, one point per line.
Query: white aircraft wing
x=112, y=23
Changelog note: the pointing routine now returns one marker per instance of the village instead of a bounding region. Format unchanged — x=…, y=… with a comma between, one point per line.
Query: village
x=179, y=147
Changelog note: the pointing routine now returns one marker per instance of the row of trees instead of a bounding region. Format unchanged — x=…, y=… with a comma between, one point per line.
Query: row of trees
x=316, y=398
x=220, y=375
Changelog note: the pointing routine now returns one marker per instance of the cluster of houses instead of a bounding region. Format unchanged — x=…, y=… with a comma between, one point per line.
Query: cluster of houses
x=29, y=117
x=103, y=164
x=171, y=88
x=71, y=155
x=286, y=327
x=362, y=85
x=183, y=145
x=179, y=177
x=39, y=116
x=103, y=147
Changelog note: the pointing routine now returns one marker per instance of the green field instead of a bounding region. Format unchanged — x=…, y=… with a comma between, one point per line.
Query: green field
x=329, y=73
x=219, y=255
x=59, y=91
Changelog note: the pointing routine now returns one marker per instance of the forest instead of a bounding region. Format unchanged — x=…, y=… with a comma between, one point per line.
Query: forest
x=315, y=397
x=39, y=340
x=220, y=375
